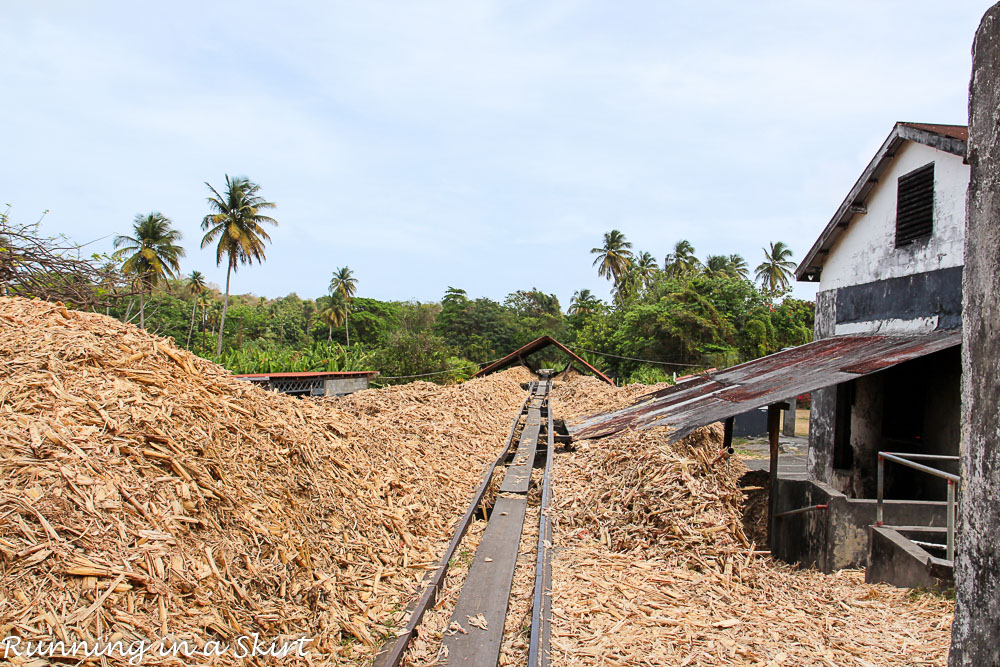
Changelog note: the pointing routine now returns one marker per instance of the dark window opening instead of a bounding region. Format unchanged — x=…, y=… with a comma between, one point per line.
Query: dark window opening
x=843, y=453
x=915, y=205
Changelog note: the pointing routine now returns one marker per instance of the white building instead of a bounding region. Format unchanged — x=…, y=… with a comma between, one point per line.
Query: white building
x=883, y=267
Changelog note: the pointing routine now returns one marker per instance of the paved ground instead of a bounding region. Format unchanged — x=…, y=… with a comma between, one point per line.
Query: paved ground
x=791, y=455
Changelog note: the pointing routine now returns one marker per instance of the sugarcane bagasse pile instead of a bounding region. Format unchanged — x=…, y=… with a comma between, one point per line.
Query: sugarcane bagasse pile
x=147, y=494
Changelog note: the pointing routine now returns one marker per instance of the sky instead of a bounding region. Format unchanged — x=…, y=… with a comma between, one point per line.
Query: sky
x=484, y=145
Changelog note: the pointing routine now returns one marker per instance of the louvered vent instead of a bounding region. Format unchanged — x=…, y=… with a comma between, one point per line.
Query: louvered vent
x=915, y=205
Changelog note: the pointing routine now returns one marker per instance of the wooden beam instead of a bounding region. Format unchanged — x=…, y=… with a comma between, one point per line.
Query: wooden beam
x=773, y=429
x=727, y=434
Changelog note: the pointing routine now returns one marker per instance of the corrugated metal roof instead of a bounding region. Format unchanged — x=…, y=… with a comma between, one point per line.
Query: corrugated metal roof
x=311, y=374
x=517, y=355
x=764, y=381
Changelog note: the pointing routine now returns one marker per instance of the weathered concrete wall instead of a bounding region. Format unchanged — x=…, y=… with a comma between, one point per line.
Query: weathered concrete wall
x=976, y=629
x=819, y=459
x=915, y=303
x=837, y=538
x=867, y=252
x=341, y=386
x=893, y=559
x=913, y=407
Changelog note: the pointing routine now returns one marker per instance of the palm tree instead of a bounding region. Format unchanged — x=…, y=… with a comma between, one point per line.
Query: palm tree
x=733, y=266
x=346, y=284
x=583, y=303
x=237, y=226
x=195, y=286
x=775, y=271
x=150, y=256
x=681, y=261
x=333, y=314
x=645, y=267
x=614, y=257
x=717, y=265
x=739, y=267
x=204, y=304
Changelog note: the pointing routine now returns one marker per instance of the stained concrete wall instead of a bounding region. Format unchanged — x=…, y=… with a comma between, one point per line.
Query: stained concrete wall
x=341, y=386
x=837, y=538
x=976, y=628
x=894, y=559
x=819, y=459
x=867, y=252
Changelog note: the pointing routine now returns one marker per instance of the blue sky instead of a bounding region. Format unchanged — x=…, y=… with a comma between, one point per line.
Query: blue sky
x=459, y=143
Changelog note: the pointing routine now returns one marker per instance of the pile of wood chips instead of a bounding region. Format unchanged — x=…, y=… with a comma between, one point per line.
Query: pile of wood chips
x=652, y=566
x=147, y=494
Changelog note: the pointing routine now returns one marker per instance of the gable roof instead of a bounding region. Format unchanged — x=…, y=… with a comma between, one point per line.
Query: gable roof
x=948, y=138
x=518, y=355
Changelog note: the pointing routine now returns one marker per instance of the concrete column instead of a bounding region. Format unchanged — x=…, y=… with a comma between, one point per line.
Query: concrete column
x=976, y=629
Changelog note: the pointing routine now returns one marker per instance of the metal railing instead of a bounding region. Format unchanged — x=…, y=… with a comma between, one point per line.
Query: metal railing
x=952, y=479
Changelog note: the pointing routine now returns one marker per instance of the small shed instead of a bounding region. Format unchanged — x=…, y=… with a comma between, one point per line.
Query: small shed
x=519, y=358
x=337, y=383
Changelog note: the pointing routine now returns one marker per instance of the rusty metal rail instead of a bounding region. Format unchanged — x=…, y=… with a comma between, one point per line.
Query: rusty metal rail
x=391, y=653
x=541, y=608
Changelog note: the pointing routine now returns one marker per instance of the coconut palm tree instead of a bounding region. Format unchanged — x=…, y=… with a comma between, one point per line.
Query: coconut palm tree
x=150, y=256
x=614, y=257
x=332, y=314
x=204, y=303
x=733, y=266
x=645, y=267
x=739, y=266
x=346, y=285
x=681, y=261
x=236, y=226
x=775, y=272
x=583, y=303
x=195, y=286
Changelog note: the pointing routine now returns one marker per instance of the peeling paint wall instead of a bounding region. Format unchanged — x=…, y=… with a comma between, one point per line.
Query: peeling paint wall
x=819, y=458
x=866, y=251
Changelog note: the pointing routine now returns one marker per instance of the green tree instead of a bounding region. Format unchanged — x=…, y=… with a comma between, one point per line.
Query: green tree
x=739, y=267
x=333, y=313
x=614, y=257
x=195, y=286
x=775, y=272
x=682, y=261
x=583, y=303
x=150, y=256
x=237, y=227
x=454, y=295
x=346, y=284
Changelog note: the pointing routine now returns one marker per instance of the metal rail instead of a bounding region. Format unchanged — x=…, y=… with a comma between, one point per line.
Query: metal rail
x=541, y=608
x=393, y=650
x=903, y=458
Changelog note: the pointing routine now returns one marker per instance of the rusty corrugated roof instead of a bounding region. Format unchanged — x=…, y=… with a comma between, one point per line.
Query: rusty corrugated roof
x=517, y=356
x=764, y=381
